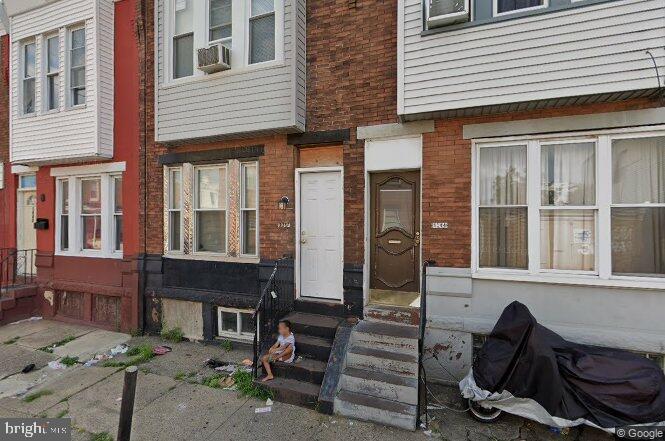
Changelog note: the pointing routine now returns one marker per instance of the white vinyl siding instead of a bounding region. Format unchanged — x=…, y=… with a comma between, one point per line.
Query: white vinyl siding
x=81, y=133
x=260, y=99
x=594, y=49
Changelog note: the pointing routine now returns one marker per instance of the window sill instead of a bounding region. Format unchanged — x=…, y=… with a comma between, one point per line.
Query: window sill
x=90, y=254
x=197, y=78
x=572, y=279
x=212, y=258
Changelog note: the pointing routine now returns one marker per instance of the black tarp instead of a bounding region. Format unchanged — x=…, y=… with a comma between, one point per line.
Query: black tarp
x=606, y=387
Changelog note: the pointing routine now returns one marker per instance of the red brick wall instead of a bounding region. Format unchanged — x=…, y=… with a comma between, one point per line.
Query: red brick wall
x=447, y=179
x=7, y=195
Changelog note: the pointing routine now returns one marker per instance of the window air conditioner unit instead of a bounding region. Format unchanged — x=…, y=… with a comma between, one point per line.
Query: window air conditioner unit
x=214, y=58
x=446, y=12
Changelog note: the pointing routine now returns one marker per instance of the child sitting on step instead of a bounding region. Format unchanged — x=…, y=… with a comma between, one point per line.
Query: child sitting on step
x=283, y=350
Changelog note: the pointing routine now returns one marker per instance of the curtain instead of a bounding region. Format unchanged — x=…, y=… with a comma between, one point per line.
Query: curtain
x=568, y=174
x=503, y=175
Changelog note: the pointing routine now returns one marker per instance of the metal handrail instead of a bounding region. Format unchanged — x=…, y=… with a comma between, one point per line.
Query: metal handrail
x=275, y=302
x=17, y=267
x=422, y=381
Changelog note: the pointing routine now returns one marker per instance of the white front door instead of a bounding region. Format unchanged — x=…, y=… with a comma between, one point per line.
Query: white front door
x=26, y=236
x=320, y=234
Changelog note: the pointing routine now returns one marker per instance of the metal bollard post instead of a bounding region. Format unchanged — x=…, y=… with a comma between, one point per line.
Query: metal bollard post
x=127, y=406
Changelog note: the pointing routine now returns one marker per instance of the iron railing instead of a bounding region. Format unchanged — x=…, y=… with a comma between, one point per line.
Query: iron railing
x=422, y=377
x=276, y=301
x=17, y=267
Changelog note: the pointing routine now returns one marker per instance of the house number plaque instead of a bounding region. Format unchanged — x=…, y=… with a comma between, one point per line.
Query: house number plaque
x=284, y=225
x=440, y=225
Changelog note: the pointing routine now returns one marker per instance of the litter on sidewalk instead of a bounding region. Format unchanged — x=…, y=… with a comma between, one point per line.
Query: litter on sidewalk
x=56, y=365
x=263, y=410
x=120, y=349
x=161, y=350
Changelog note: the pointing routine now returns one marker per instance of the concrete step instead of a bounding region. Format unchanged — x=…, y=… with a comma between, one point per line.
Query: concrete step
x=382, y=385
x=380, y=360
x=380, y=335
x=7, y=303
x=393, y=314
x=331, y=309
x=377, y=410
x=313, y=324
x=298, y=393
x=310, y=371
x=316, y=348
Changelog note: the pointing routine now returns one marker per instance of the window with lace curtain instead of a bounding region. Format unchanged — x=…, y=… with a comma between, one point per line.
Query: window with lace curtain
x=593, y=205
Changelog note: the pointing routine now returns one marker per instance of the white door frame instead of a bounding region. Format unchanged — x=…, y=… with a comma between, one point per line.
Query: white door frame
x=296, y=265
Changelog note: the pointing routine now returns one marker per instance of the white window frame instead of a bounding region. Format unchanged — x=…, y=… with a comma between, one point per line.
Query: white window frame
x=496, y=13
x=240, y=40
x=24, y=78
x=446, y=19
x=69, y=41
x=603, y=245
x=169, y=209
x=238, y=335
x=242, y=209
x=250, y=18
x=195, y=210
x=60, y=183
x=55, y=74
x=75, y=217
x=116, y=214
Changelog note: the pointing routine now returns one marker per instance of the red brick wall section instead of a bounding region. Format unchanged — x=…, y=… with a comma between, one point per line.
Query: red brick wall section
x=8, y=193
x=447, y=179
x=351, y=82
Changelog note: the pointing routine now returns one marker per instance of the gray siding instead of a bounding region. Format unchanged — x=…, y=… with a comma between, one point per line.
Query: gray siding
x=237, y=102
x=597, y=49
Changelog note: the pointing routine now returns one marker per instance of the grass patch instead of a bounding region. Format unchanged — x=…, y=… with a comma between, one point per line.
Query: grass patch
x=11, y=341
x=227, y=345
x=62, y=413
x=179, y=376
x=213, y=381
x=102, y=436
x=174, y=335
x=69, y=361
x=36, y=395
x=135, y=333
x=62, y=342
x=246, y=386
x=138, y=354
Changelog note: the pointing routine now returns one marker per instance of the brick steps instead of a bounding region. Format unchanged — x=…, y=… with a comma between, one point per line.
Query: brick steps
x=18, y=303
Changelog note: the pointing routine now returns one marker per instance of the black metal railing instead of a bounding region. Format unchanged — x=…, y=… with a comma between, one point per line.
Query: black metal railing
x=276, y=301
x=17, y=267
x=422, y=382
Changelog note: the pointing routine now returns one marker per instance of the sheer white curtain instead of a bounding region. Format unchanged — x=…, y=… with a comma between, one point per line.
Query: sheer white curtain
x=502, y=207
x=568, y=179
x=638, y=223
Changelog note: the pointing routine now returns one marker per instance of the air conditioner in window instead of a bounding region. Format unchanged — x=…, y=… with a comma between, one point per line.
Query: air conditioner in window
x=214, y=58
x=447, y=12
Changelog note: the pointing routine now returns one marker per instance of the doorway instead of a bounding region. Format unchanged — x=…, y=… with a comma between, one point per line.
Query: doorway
x=26, y=214
x=319, y=233
x=395, y=238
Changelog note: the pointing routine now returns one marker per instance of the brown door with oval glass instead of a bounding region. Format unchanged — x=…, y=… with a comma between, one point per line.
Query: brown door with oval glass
x=395, y=238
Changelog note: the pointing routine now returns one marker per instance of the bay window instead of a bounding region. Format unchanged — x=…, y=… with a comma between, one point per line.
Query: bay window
x=590, y=206
x=28, y=78
x=77, y=66
x=212, y=210
x=89, y=213
x=253, y=30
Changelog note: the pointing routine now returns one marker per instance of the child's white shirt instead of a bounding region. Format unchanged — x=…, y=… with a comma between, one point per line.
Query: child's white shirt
x=283, y=342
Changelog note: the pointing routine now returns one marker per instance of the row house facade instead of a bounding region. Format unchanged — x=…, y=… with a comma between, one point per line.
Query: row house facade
x=70, y=218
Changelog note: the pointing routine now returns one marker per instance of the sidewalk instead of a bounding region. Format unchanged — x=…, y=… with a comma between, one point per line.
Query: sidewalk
x=171, y=404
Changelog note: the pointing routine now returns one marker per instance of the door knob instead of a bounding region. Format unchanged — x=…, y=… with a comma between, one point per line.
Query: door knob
x=303, y=239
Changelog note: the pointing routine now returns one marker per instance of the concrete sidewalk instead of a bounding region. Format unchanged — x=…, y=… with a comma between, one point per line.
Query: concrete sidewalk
x=170, y=404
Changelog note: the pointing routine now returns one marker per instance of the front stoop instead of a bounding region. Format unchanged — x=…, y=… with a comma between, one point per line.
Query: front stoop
x=379, y=382
x=18, y=303
x=299, y=383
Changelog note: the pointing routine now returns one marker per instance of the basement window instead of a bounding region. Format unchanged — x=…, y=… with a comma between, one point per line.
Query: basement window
x=235, y=323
